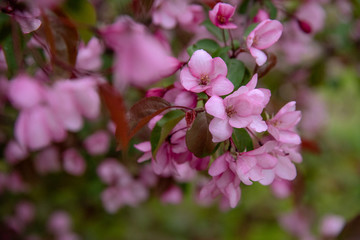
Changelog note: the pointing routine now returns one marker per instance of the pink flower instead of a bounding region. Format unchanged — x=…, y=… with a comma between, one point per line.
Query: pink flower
x=168, y=13
x=74, y=163
x=97, y=143
x=313, y=14
x=331, y=225
x=47, y=160
x=282, y=125
x=140, y=58
x=261, y=16
x=221, y=15
x=14, y=153
x=89, y=56
x=72, y=99
x=37, y=127
x=25, y=92
x=180, y=96
x=59, y=223
x=239, y=110
x=251, y=165
x=225, y=180
x=263, y=36
x=112, y=172
x=204, y=73
x=173, y=195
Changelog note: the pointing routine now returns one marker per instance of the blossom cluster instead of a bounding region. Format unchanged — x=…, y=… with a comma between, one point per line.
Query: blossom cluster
x=210, y=122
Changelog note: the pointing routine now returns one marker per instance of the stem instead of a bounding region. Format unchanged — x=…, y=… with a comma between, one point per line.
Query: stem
x=232, y=44
x=224, y=38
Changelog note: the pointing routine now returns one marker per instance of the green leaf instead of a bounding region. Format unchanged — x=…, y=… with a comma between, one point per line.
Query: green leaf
x=222, y=53
x=208, y=45
x=83, y=14
x=8, y=47
x=272, y=9
x=162, y=129
x=243, y=7
x=249, y=29
x=214, y=30
x=236, y=72
x=242, y=140
x=198, y=137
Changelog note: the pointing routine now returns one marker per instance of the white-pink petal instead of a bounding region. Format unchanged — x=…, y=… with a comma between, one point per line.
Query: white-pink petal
x=215, y=107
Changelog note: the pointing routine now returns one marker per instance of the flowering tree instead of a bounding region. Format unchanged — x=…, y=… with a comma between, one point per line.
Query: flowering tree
x=113, y=104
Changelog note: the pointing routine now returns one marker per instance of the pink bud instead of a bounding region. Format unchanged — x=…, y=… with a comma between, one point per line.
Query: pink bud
x=304, y=26
x=97, y=143
x=25, y=212
x=14, y=153
x=155, y=92
x=261, y=16
x=332, y=225
x=74, y=163
x=172, y=195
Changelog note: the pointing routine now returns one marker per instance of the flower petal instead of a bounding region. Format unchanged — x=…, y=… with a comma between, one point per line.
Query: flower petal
x=220, y=129
x=201, y=63
x=215, y=107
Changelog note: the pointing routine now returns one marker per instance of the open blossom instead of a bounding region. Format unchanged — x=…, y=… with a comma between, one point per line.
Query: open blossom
x=282, y=125
x=140, y=58
x=205, y=73
x=263, y=36
x=221, y=15
x=239, y=110
x=25, y=92
x=37, y=127
x=225, y=181
x=168, y=13
x=74, y=163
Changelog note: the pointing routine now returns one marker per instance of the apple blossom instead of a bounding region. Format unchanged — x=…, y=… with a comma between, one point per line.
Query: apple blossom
x=239, y=110
x=263, y=36
x=282, y=125
x=221, y=15
x=205, y=73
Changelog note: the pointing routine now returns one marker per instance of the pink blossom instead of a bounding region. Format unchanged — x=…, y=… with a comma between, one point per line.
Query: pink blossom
x=331, y=225
x=221, y=15
x=28, y=20
x=297, y=223
x=97, y=143
x=281, y=188
x=263, y=36
x=89, y=56
x=155, y=92
x=112, y=172
x=282, y=125
x=74, y=163
x=72, y=99
x=59, y=223
x=239, y=110
x=172, y=195
x=251, y=165
x=180, y=96
x=225, y=180
x=261, y=15
x=313, y=14
x=47, y=160
x=205, y=73
x=285, y=168
x=37, y=127
x=25, y=92
x=25, y=212
x=169, y=13
x=14, y=153
x=140, y=58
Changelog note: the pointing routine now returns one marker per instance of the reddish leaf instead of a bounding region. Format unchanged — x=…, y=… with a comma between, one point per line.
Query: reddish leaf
x=62, y=38
x=198, y=137
x=116, y=107
x=144, y=110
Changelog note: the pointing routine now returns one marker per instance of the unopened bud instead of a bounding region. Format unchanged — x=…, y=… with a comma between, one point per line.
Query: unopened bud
x=304, y=26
